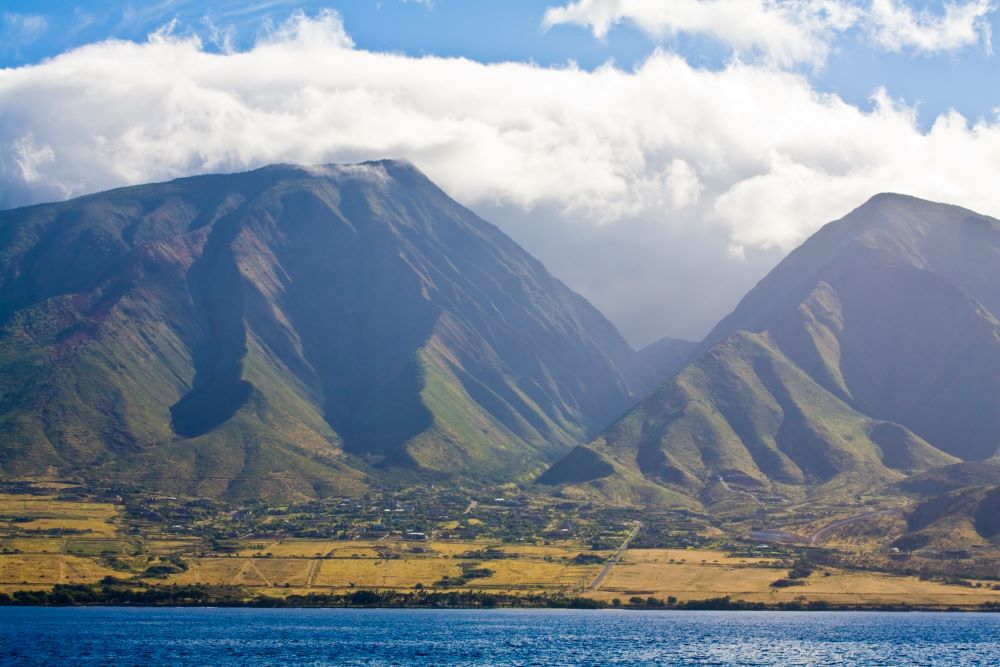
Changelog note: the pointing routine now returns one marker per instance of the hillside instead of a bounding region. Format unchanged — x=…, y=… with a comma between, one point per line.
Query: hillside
x=291, y=332
x=870, y=353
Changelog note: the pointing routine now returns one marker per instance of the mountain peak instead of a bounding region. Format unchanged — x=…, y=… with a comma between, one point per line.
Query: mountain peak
x=903, y=209
x=871, y=351
x=344, y=318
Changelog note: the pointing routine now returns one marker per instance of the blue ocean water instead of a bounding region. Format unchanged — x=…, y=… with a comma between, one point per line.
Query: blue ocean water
x=198, y=636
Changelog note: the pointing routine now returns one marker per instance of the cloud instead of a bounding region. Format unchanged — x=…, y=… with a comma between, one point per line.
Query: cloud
x=640, y=165
x=30, y=158
x=788, y=32
x=895, y=26
x=18, y=30
x=784, y=32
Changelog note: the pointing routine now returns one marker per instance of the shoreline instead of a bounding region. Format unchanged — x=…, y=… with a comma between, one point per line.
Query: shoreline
x=104, y=595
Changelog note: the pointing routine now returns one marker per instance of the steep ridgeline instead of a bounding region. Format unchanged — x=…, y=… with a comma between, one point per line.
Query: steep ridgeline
x=291, y=332
x=870, y=353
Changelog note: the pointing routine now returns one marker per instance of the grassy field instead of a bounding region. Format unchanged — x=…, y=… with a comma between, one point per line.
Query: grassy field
x=30, y=559
x=699, y=575
x=37, y=570
x=46, y=513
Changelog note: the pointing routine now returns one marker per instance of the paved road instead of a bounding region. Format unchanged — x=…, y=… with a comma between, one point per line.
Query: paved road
x=823, y=532
x=615, y=557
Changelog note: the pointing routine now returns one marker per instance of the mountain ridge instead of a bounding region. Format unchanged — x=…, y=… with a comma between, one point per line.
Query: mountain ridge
x=883, y=317
x=288, y=332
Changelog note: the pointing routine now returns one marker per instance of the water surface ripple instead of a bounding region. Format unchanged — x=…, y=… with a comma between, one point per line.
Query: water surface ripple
x=197, y=636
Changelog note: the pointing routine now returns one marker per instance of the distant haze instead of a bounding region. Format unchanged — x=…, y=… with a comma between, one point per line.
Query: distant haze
x=651, y=279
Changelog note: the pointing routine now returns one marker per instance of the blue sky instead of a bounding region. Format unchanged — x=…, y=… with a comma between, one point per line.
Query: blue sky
x=661, y=186
x=967, y=80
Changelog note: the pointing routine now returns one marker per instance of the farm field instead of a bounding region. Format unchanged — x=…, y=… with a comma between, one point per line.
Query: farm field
x=699, y=575
x=40, y=514
x=37, y=570
x=683, y=574
x=45, y=540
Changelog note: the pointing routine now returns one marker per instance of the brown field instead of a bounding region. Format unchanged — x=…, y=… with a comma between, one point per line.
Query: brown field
x=95, y=547
x=385, y=573
x=452, y=549
x=283, y=567
x=213, y=571
x=166, y=547
x=688, y=556
x=523, y=574
x=707, y=574
x=33, y=545
x=686, y=581
x=300, y=548
x=47, y=570
x=47, y=513
x=346, y=564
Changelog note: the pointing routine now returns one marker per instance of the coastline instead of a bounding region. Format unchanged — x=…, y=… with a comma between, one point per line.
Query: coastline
x=104, y=595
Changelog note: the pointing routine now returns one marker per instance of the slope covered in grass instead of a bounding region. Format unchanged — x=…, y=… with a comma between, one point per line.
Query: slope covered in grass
x=291, y=332
x=871, y=352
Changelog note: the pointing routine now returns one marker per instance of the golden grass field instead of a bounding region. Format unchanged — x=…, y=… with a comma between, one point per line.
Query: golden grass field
x=702, y=574
x=281, y=567
x=47, y=513
x=37, y=570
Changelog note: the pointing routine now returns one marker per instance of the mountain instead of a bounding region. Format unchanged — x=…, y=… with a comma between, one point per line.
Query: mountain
x=958, y=506
x=870, y=353
x=964, y=518
x=292, y=332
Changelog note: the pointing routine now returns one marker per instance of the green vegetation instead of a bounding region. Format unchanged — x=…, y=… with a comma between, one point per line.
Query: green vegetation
x=289, y=335
x=821, y=387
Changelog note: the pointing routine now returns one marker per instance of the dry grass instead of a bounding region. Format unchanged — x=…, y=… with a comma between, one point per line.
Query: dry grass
x=524, y=574
x=452, y=549
x=96, y=547
x=353, y=552
x=688, y=556
x=34, y=545
x=211, y=571
x=301, y=548
x=48, y=570
x=279, y=572
x=706, y=574
x=170, y=547
x=686, y=581
x=385, y=573
x=683, y=573
x=878, y=588
x=561, y=550
x=47, y=513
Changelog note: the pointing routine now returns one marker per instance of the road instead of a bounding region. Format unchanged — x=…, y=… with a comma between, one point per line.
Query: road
x=726, y=486
x=615, y=557
x=823, y=532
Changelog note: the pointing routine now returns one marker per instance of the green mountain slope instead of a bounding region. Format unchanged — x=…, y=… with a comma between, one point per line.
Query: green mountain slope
x=291, y=332
x=895, y=309
x=870, y=353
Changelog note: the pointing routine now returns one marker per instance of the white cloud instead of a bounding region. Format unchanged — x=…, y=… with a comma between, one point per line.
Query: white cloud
x=896, y=26
x=785, y=32
x=789, y=32
x=749, y=156
x=30, y=158
x=17, y=30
